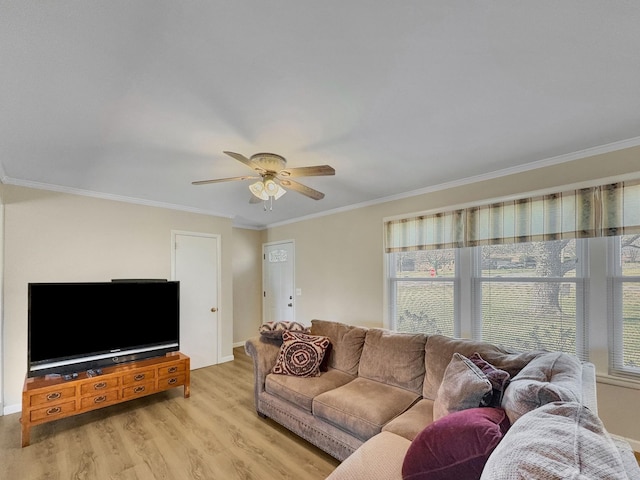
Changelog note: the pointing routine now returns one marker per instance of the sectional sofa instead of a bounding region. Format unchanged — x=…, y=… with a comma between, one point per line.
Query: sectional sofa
x=399, y=406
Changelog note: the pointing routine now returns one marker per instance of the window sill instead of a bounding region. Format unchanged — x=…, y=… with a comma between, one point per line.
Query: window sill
x=618, y=381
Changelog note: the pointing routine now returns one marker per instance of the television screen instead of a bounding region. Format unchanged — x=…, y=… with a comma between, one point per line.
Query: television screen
x=76, y=326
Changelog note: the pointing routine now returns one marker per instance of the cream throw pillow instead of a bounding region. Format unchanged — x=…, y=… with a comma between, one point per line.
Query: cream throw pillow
x=551, y=377
x=558, y=441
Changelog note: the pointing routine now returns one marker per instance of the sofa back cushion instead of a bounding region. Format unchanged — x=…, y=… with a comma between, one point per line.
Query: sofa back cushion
x=346, y=344
x=394, y=358
x=440, y=349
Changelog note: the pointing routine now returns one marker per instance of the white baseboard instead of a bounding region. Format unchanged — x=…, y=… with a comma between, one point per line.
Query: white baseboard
x=9, y=409
x=238, y=344
x=228, y=358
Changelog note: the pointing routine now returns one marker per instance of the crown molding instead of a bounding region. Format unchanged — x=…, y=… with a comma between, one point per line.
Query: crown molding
x=108, y=196
x=547, y=162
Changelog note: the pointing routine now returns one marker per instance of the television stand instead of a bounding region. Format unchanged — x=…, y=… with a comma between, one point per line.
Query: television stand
x=49, y=398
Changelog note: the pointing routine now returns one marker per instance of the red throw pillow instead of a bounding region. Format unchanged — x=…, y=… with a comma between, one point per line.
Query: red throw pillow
x=499, y=378
x=456, y=446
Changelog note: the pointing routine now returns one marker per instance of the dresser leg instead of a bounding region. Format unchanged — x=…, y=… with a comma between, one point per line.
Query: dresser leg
x=26, y=433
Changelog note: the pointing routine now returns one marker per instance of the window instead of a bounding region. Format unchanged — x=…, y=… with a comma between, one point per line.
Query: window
x=520, y=273
x=529, y=296
x=423, y=291
x=624, y=302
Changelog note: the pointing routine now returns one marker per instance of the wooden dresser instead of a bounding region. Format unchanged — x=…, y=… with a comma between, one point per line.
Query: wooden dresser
x=49, y=398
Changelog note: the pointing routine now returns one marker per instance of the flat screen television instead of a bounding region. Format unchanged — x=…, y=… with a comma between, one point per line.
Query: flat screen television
x=73, y=327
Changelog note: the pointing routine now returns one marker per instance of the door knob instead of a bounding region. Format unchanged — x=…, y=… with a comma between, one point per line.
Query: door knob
x=289, y=304
x=214, y=309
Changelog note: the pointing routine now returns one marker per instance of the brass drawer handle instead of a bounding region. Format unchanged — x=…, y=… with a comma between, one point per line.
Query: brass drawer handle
x=54, y=410
x=138, y=377
x=173, y=369
x=138, y=389
x=100, y=385
x=172, y=381
x=54, y=396
x=100, y=399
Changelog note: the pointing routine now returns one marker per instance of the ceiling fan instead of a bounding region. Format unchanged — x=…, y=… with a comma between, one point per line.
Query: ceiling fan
x=273, y=176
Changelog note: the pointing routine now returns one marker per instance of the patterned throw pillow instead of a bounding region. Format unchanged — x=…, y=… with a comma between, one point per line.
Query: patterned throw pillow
x=274, y=330
x=301, y=354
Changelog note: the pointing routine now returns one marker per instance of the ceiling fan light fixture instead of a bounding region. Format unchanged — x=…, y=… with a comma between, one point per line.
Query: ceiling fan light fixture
x=258, y=190
x=266, y=189
x=270, y=186
x=279, y=192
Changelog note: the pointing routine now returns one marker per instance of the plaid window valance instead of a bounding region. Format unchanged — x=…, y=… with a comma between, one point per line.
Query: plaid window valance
x=605, y=210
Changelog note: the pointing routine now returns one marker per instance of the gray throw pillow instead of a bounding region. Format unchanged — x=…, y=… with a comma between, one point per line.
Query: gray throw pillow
x=463, y=386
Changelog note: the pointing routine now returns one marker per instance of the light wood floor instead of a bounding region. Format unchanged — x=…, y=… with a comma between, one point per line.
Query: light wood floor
x=214, y=434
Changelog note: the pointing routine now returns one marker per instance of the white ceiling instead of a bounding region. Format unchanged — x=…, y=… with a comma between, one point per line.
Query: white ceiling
x=134, y=100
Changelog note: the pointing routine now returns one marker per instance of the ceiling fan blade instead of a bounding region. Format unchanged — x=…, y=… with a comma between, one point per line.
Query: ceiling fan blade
x=303, y=189
x=220, y=180
x=242, y=159
x=315, y=171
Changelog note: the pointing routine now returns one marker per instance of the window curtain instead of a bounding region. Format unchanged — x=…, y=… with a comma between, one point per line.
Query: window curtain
x=606, y=210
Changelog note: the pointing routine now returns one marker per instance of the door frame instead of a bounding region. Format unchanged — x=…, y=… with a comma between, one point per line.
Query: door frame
x=218, y=237
x=264, y=274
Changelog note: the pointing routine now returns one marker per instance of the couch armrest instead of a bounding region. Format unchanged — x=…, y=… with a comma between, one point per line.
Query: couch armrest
x=264, y=354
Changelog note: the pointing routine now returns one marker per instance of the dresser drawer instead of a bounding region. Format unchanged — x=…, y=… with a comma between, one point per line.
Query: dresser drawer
x=53, y=411
x=138, y=390
x=99, y=400
x=171, y=369
x=98, y=385
x=138, y=376
x=53, y=396
x=172, y=381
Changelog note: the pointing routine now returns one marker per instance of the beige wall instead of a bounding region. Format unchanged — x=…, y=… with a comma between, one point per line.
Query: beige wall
x=247, y=283
x=56, y=237
x=339, y=258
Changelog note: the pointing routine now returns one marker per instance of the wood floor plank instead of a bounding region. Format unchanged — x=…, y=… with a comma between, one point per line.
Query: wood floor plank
x=214, y=434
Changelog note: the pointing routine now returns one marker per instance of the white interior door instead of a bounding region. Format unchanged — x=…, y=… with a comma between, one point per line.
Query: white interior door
x=196, y=260
x=278, y=282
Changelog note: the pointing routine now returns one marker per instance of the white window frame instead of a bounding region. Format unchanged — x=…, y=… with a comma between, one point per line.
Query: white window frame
x=615, y=287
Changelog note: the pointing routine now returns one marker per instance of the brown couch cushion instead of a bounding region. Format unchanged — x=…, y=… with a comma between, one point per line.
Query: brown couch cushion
x=410, y=423
x=346, y=344
x=394, y=359
x=302, y=390
x=362, y=407
x=440, y=349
